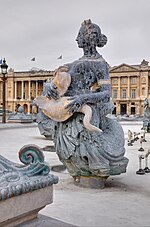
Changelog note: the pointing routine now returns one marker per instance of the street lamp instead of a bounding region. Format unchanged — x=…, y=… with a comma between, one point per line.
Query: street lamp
x=4, y=67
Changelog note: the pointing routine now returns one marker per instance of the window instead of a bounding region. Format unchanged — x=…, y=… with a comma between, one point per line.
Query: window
x=133, y=93
x=115, y=81
x=115, y=94
x=124, y=80
x=124, y=94
x=133, y=80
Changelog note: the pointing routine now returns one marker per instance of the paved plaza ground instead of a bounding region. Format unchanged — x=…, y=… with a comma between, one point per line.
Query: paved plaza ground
x=124, y=202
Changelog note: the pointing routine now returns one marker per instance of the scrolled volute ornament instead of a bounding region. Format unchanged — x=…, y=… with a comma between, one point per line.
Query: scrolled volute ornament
x=31, y=154
x=16, y=179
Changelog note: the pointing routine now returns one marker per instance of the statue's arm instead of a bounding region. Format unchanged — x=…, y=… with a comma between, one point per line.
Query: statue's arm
x=96, y=97
x=51, y=90
x=91, y=98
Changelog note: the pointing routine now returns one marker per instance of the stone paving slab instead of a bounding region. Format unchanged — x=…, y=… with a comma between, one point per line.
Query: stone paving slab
x=125, y=202
x=45, y=221
x=17, y=125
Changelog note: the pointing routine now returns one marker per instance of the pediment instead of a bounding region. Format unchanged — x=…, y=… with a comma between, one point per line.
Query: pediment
x=124, y=68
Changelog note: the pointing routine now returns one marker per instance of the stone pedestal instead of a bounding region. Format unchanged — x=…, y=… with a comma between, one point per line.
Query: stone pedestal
x=90, y=182
x=20, y=117
x=24, y=189
x=25, y=207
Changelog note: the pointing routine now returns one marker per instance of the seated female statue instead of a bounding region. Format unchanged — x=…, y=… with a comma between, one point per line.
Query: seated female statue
x=85, y=153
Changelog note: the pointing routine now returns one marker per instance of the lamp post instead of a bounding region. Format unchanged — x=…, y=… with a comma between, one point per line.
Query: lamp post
x=4, y=67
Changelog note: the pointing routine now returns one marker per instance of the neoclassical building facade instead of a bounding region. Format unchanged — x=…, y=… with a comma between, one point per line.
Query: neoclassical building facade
x=23, y=87
x=130, y=85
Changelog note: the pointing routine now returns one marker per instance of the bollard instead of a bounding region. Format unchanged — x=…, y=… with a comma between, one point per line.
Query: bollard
x=140, y=171
x=144, y=140
x=130, y=136
x=136, y=135
x=146, y=169
x=141, y=141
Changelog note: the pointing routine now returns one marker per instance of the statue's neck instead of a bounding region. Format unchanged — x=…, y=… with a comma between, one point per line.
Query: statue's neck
x=90, y=52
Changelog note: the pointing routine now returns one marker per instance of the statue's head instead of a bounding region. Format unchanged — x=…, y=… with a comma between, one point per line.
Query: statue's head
x=90, y=35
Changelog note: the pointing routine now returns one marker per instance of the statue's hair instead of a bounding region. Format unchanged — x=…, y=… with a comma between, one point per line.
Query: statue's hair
x=87, y=27
x=102, y=41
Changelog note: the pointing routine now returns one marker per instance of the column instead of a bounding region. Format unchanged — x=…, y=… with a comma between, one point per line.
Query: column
x=128, y=89
x=128, y=108
x=117, y=108
x=138, y=88
x=29, y=108
x=15, y=89
x=138, y=108
x=22, y=89
x=29, y=90
x=119, y=88
x=36, y=89
x=0, y=90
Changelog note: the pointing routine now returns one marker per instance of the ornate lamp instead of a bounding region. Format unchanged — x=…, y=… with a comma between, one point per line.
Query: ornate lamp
x=4, y=67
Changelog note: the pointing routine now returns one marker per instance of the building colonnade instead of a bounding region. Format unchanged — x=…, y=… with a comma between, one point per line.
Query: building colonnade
x=22, y=88
x=130, y=85
x=26, y=91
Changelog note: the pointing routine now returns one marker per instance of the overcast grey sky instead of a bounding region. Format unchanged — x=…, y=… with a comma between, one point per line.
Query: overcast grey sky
x=45, y=29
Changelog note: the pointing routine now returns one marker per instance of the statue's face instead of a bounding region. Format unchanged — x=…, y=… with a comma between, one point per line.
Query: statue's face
x=80, y=38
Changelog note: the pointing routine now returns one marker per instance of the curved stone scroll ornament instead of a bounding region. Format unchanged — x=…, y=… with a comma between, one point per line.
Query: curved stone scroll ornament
x=16, y=179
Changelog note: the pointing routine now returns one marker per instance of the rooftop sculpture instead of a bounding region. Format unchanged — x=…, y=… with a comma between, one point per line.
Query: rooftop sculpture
x=146, y=119
x=87, y=153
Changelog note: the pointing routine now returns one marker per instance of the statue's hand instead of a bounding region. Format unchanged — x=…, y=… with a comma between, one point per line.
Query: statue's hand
x=51, y=91
x=75, y=105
